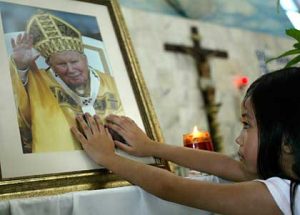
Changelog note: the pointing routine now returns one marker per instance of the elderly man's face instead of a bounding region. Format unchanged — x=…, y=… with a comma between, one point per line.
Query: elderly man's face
x=71, y=67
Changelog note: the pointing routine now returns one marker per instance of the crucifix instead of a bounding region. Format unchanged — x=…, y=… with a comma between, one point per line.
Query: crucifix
x=201, y=56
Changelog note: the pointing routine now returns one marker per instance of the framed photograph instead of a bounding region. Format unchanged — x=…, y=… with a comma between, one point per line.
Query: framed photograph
x=61, y=58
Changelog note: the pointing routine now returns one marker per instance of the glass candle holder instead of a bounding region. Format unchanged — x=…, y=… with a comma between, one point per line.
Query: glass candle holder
x=198, y=140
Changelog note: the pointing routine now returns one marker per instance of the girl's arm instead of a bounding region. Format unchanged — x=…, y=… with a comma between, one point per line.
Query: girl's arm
x=201, y=160
x=240, y=198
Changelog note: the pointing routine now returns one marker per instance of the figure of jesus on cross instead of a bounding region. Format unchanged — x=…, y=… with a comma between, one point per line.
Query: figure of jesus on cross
x=201, y=56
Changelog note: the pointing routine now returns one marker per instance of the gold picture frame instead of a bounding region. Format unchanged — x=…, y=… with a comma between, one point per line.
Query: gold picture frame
x=62, y=182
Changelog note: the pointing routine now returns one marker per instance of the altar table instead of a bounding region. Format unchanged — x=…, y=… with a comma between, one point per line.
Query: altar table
x=129, y=200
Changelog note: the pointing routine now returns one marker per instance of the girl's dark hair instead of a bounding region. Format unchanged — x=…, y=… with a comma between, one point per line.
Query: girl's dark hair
x=275, y=98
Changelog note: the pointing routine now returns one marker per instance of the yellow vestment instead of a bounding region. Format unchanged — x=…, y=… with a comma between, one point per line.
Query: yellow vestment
x=46, y=112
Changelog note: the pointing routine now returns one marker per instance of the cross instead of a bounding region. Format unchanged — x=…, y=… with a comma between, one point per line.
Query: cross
x=201, y=56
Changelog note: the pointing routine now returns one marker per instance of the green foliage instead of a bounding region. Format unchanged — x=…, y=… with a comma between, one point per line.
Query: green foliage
x=295, y=34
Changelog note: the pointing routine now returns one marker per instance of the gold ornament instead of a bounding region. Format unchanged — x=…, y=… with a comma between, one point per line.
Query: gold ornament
x=53, y=35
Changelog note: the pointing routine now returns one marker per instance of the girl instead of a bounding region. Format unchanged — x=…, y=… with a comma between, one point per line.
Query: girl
x=267, y=173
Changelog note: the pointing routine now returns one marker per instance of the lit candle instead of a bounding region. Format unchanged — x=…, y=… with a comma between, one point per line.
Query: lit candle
x=198, y=140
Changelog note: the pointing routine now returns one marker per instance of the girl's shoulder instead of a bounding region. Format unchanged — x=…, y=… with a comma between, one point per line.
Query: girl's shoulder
x=280, y=191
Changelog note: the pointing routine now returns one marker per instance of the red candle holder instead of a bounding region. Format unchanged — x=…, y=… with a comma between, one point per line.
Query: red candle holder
x=198, y=140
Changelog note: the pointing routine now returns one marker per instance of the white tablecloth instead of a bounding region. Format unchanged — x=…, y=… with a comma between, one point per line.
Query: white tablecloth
x=130, y=200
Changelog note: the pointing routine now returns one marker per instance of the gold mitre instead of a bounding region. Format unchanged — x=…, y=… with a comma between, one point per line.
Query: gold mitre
x=52, y=35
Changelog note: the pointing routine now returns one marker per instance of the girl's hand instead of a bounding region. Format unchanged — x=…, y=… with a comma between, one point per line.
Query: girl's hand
x=139, y=144
x=94, y=138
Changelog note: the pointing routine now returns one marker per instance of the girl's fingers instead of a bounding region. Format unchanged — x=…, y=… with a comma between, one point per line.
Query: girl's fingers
x=99, y=124
x=118, y=120
x=121, y=121
x=116, y=128
x=84, y=126
x=78, y=135
x=124, y=147
x=91, y=123
x=127, y=119
x=108, y=134
x=112, y=117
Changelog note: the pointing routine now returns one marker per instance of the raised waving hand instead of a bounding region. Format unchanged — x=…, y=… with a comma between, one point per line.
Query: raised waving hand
x=23, y=52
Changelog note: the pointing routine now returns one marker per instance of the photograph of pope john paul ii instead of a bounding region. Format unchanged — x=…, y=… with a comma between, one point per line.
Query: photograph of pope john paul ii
x=48, y=99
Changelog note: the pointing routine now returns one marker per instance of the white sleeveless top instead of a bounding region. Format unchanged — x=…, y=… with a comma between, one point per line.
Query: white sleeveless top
x=280, y=190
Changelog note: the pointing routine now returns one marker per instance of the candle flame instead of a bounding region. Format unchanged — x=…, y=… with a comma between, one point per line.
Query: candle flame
x=195, y=130
x=198, y=134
